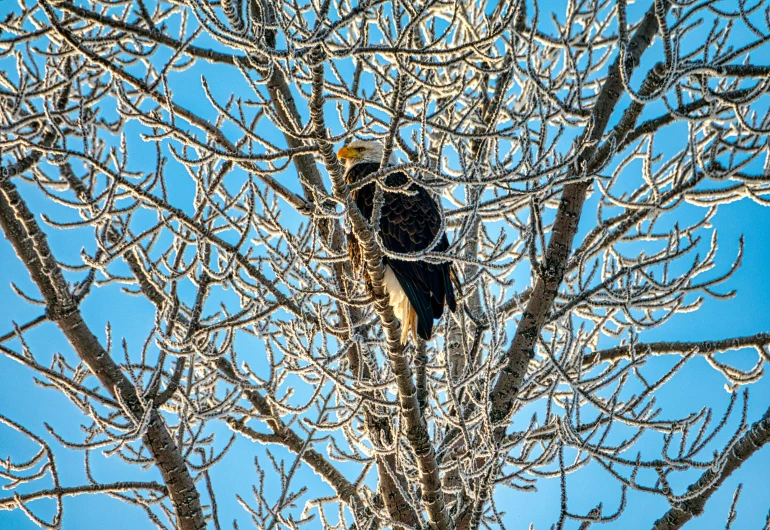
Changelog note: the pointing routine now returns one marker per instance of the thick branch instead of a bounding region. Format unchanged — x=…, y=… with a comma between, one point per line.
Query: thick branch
x=10, y=503
x=660, y=348
x=564, y=228
x=31, y=247
x=285, y=107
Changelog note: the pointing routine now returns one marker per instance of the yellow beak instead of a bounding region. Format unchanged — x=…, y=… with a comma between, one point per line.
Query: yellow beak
x=347, y=153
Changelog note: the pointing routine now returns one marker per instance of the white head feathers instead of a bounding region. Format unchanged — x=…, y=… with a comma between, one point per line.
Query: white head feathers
x=361, y=151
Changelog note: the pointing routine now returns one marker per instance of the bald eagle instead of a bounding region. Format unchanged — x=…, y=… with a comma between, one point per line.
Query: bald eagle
x=417, y=290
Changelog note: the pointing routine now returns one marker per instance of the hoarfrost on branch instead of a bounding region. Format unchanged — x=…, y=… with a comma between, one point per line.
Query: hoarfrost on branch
x=580, y=157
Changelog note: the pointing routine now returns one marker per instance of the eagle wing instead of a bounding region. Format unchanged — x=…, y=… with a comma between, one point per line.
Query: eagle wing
x=409, y=223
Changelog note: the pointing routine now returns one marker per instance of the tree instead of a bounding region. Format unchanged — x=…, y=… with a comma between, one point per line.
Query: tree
x=580, y=156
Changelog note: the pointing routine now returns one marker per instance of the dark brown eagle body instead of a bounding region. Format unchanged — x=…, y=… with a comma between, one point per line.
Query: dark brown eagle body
x=409, y=223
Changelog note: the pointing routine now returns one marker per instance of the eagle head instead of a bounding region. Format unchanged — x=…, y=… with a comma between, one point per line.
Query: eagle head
x=362, y=152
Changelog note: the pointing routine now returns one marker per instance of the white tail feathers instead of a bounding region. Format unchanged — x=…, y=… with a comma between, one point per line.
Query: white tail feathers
x=400, y=304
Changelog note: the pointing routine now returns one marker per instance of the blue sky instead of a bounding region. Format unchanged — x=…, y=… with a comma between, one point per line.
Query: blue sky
x=696, y=386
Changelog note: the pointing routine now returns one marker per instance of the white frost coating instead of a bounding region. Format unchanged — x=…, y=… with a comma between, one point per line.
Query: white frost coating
x=482, y=118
